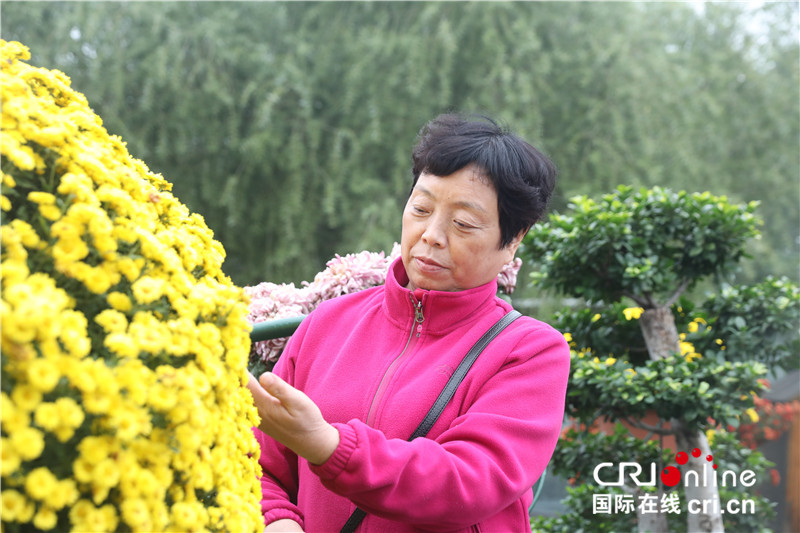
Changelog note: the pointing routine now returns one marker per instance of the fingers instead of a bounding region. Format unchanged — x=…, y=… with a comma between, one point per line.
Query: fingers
x=279, y=389
x=292, y=418
x=252, y=383
x=271, y=383
x=265, y=403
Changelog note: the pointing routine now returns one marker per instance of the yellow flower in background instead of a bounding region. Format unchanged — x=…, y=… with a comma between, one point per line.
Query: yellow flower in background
x=119, y=301
x=70, y=417
x=189, y=515
x=122, y=344
x=46, y=416
x=129, y=267
x=107, y=282
x=45, y=518
x=40, y=483
x=27, y=234
x=753, y=415
x=28, y=442
x=688, y=351
x=10, y=461
x=65, y=495
x=41, y=198
x=136, y=514
x=11, y=504
x=26, y=397
x=112, y=321
x=147, y=289
x=694, y=325
x=42, y=374
x=632, y=313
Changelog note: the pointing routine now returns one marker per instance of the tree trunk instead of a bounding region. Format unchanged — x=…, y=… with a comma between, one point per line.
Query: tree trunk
x=660, y=333
x=661, y=337
x=649, y=521
x=700, y=488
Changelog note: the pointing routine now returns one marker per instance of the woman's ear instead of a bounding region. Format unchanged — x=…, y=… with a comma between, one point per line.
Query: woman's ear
x=514, y=244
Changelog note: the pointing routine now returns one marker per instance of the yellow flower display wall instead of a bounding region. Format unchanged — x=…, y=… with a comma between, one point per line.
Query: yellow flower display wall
x=124, y=346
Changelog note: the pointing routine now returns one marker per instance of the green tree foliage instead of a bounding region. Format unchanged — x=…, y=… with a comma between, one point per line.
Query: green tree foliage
x=649, y=246
x=673, y=387
x=757, y=322
x=289, y=124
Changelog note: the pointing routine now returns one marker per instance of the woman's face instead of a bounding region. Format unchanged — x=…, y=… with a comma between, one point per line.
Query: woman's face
x=451, y=232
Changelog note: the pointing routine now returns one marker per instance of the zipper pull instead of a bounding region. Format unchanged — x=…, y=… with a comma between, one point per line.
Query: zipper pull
x=419, y=318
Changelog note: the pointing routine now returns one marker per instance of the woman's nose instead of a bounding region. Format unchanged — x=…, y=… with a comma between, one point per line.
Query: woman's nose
x=434, y=234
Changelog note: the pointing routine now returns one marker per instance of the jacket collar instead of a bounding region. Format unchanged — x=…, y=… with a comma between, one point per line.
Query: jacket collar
x=443, y=311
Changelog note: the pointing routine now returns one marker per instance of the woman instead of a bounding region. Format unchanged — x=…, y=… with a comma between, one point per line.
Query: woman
x=371, y=364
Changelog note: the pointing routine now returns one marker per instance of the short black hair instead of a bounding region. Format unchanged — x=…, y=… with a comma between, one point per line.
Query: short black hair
x=522, y=176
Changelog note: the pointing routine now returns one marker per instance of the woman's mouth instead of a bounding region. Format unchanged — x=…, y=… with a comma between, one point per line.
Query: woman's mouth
x=425, y=264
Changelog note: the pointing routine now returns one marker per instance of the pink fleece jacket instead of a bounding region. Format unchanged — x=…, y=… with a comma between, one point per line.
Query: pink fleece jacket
x=374, y=363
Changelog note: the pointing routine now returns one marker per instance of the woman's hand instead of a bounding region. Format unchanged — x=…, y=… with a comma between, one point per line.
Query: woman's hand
x=291, y=418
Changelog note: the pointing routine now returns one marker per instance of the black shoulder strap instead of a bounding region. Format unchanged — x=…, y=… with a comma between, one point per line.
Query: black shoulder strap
x=444, y=397
x=458, y=376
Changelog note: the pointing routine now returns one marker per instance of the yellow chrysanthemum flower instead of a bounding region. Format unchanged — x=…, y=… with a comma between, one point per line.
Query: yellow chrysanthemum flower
x=29, y=443
x=136, y=514
x=10, y=461
x=112, y=321
x=147, y=289
x=40, y=483
x=45, y=518
x=119, y=301
x=43, y=375
x=11, y=504
x=26, y=397
x=140, y=288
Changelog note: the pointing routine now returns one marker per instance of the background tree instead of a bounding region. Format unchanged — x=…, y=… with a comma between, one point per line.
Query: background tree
x=646, y=248
x=289, y=124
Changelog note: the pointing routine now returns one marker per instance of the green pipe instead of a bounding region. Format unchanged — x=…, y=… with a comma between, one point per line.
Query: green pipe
x=275, y=329
x=537, y=488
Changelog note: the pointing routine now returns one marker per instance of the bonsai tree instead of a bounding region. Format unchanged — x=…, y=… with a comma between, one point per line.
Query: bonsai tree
x=636, y=253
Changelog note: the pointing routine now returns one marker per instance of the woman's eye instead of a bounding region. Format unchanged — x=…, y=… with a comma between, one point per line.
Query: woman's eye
x=419, y=210
x=462, y=225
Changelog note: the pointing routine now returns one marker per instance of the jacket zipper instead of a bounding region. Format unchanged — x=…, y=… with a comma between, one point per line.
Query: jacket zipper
x=419, y=318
